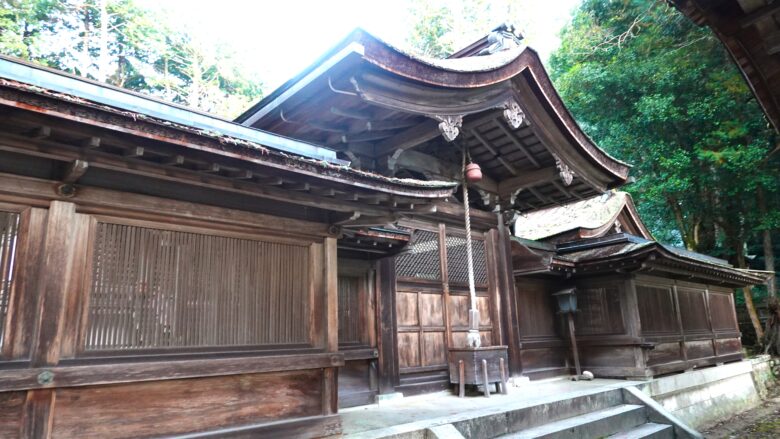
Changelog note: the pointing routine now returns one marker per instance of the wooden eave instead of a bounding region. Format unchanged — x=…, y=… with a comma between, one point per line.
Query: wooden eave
x=652, y=257
x=750, y=32
x=68, y=130
x=627, y=216
x=381, y=107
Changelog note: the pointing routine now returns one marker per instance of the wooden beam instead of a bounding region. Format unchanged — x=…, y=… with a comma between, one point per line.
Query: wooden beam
x=493, y=151
x=518, y=143
x=176, y=160
x=41, y=132
x=380, y=125
x=365, y=136
x=241, y=174
x=91, y=142
x=409, y=138
x=211, y=168
x=759, y=14
x=438, y=169
x=532, y=178
x=344, y=112
x=136, y=151
x=74, y=171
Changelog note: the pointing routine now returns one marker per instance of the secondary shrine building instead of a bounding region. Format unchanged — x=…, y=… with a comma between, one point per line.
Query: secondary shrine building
x=166, y=272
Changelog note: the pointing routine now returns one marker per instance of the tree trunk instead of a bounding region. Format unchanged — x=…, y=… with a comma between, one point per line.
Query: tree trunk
x=769, y=253
x=739, y=248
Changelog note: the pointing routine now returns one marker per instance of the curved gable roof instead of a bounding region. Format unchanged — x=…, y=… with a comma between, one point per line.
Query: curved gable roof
x=386, y=78
x=591, y=218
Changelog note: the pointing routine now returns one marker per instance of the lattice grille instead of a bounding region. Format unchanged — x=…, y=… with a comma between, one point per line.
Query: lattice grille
x=457, y=265
x=9, y=230
x=421, y=259
x=164, y=289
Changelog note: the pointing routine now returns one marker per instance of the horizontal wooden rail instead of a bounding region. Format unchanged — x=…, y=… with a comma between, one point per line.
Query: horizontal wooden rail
x=96, y=374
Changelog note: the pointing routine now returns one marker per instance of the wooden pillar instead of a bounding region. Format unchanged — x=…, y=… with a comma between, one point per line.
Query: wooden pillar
x=386, y=340
x=331, y=321
x=59, y=280
x=55, y=277
x=506, y=284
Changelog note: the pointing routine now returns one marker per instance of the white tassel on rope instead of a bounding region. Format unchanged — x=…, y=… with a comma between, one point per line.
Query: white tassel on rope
x=473, y=339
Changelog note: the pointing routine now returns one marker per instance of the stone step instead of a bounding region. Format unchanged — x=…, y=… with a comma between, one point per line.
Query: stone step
x=595, y=424
x=650, y=430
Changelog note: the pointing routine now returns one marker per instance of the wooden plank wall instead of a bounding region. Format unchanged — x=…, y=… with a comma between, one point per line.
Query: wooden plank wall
x=640, y=326
x=160, y=317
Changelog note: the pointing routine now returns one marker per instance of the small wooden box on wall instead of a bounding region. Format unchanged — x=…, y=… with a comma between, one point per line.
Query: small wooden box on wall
x=478, y=366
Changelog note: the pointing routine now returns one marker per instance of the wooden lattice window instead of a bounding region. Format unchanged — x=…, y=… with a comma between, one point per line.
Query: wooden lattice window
x=9, y=230
x=421, y=259
x=156, y=289
x=457, y=263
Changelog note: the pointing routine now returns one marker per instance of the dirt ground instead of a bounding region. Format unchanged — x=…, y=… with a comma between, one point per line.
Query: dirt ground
x=761, y=422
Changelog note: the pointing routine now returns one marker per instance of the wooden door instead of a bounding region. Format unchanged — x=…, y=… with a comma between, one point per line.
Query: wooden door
x=357, y=333
x=432, y=303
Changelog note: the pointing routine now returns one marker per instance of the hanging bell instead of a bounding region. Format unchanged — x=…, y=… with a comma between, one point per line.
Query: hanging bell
x=473, y=173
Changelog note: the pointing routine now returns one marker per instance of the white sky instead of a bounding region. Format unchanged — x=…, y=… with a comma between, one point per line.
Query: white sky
x=281, y=37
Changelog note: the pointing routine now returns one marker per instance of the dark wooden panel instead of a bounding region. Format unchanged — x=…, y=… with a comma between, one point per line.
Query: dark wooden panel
x=431, y=310
x=536, y=309
x=434, y=350
x=600, y=311
x=356, y=384
x=183, y=406
x=154, y=288
x=729, y=346
x=11, y=406
x=350, y=313
x=459, y=311
x=699, y=349
x=408, y=349
x=723, y=312
x=693, y=309
x=9, y=231
x=656, y=309
x=664, y=353
x=406, y=309
x=608, y=356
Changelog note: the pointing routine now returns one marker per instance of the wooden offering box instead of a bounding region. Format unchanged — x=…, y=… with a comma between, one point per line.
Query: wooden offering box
x=478, y=366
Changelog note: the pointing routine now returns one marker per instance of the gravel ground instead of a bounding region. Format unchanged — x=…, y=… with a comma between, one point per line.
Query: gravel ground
x=760, y=422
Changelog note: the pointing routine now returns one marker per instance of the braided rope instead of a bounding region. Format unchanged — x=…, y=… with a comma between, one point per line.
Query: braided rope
x=469, y=251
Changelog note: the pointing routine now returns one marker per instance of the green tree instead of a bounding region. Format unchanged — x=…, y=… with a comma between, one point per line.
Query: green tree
x=123, y=44
x=661, y=93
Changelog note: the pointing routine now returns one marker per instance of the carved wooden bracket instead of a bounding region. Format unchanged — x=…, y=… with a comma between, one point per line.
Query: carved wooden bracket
x=567, y=174
x=449, y=126
x=513, y=114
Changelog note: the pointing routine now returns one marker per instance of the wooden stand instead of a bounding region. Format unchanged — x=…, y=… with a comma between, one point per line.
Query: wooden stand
x=479, y=366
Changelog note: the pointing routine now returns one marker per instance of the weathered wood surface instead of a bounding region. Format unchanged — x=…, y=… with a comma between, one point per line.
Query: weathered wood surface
x=138, y=252
x=128, y=372
x=183, y=406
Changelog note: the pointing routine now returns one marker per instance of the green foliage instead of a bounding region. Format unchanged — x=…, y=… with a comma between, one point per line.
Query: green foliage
x=662, y=94
x=123, y=44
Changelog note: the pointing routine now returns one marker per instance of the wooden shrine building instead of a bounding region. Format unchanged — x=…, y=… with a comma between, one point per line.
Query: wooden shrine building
x=644, y=308
x=166, y=272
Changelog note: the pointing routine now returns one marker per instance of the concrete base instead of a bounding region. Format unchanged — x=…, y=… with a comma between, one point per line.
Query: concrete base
x=704, y=396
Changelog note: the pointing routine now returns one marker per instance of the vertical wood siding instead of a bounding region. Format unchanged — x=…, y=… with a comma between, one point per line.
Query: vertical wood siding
x=165, y=289
x=9, y=229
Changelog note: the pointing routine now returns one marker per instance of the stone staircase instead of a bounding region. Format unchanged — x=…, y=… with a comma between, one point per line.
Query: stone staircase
x=623, y=412
x=625, y=421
